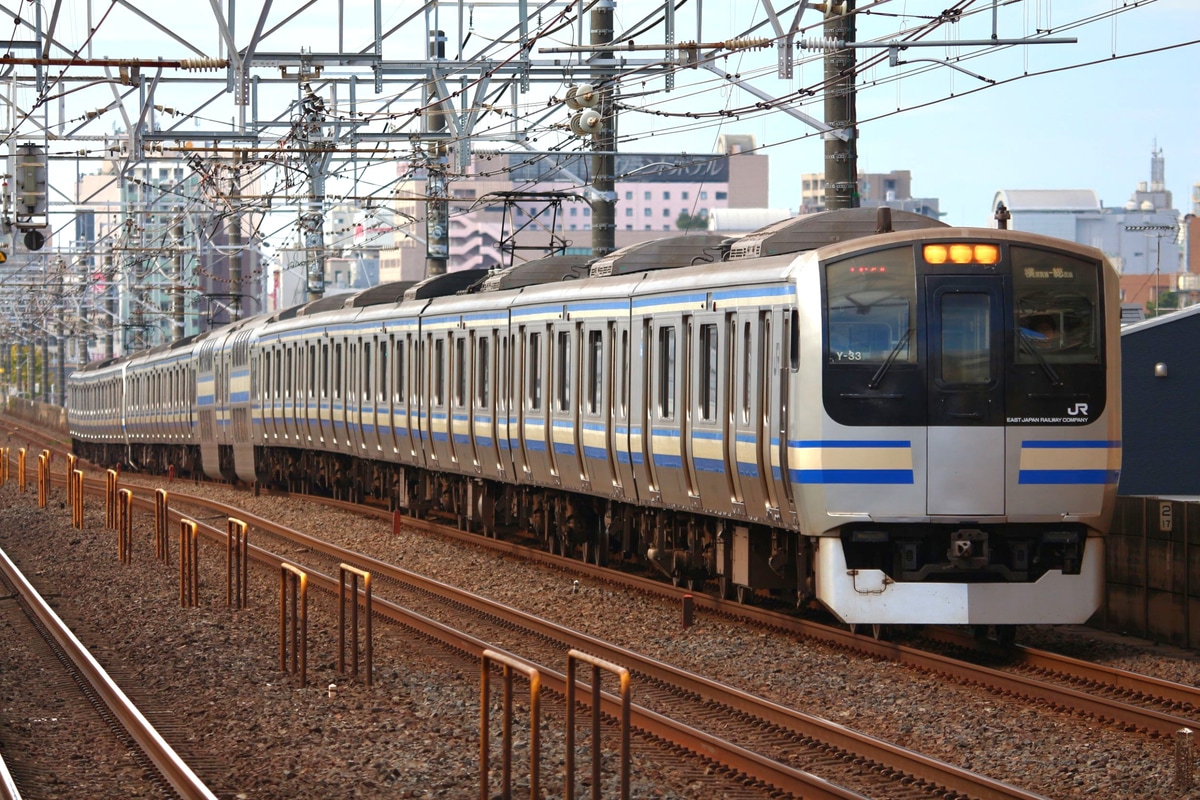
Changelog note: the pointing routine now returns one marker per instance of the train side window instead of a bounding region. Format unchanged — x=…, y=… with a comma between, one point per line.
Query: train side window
x=312, y=370
x=439, y=372
x=324, y=370
x=535, y=371
x=595, y=370
x=708, y=372
x=337, y=371
x=366, y=372
x=483, y=375
x=793, y=328
x=381, y=386
x=623, y=395
x=564, y=371
x=746, y=348
x=502, y=375
x=666, y=372
x=398, y=364
x=460, y=372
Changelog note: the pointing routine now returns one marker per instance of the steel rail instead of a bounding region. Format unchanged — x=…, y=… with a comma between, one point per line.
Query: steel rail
x=834, y=735
x=168, y=763
x=728, y=754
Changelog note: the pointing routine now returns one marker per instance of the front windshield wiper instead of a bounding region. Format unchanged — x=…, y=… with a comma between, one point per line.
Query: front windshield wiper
x=1023, y=339
x=887, y=364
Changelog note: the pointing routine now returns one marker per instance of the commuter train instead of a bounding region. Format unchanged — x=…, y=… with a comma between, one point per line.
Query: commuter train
x=919, y=425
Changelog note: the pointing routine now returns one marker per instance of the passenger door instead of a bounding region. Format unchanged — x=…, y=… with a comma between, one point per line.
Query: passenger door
x=965, y=335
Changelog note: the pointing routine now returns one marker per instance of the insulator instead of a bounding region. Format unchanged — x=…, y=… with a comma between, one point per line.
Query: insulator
x=571, y=100
x=203, y=64
x=748, y=44
x=589, y=121
x=821, y=43
x=587, y=96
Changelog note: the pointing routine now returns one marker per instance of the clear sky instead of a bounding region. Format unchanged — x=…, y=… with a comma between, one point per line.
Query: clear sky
x=1092, y=126
x=1059, y=116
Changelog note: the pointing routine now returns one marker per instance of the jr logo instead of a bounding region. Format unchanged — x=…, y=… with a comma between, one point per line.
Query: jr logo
x=1079, y=409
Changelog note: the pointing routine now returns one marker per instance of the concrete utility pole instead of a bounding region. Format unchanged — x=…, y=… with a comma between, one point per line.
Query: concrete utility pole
x=437, y=213
x=437, y=196
x=110, y=303
x=60, y=335
x=604, y=201
x=235, y=245
x=177, y=327
x=310, y=137
x=841, y=155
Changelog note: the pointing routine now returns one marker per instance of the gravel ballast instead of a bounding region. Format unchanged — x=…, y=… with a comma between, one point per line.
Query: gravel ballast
x=415, y=734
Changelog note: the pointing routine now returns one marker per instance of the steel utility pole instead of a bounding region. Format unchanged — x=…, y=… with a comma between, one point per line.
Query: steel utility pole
x=604, y=200
x=841, y=154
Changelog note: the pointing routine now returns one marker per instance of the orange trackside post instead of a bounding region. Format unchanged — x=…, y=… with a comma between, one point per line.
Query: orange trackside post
x=509, y=665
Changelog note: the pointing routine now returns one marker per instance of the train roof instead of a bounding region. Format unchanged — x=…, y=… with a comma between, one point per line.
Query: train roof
x=444, y=284
x=542, y=270
x=810, y=231
x=666, y=253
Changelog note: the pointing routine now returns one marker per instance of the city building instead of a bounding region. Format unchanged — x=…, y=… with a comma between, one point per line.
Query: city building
x=127, y=224
x=892, y=189
x=1141, y=238
x=516, y=205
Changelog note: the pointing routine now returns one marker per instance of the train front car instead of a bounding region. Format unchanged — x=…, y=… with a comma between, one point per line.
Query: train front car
x=965, y=465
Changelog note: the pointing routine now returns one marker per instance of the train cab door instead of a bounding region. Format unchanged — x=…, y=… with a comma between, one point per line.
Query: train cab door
x=965, y=336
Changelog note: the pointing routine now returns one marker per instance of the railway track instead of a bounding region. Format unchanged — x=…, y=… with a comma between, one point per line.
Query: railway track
x=114, y=725
x=1134, y=702
x=775, y=747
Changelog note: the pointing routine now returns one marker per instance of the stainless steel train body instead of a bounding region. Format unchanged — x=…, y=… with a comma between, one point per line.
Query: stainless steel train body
x=912, y=427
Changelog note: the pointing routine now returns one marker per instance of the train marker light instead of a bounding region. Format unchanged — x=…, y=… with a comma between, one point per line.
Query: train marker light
x=986, y=254
x=961, y=253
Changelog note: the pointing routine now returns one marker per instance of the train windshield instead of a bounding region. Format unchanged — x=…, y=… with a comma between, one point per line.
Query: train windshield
x=872, y=308
x=1056, y=307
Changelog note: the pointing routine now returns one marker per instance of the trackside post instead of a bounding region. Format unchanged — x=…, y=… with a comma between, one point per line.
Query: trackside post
x=597, y=664
x=508, y=665
x=295, y=580
x=237, y=558
x=189, y=564
x=355, y=574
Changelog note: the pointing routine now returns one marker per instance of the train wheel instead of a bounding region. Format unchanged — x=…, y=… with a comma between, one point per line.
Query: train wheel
x=724, y=587
x=1006, y=634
